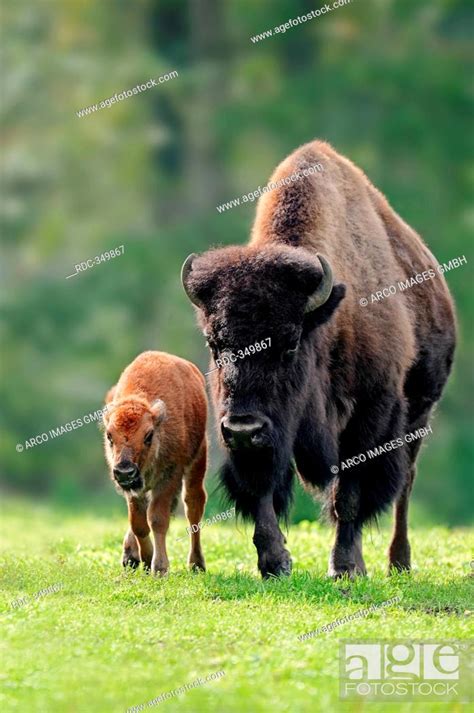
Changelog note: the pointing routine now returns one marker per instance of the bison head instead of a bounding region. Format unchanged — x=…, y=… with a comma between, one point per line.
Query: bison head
x=247, y=297
x=132, y=440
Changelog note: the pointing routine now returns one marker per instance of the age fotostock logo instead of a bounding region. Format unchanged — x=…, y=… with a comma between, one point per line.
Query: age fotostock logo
x=406, y=670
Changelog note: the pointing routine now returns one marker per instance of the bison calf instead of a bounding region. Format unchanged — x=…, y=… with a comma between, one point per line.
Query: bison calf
x=155, y=441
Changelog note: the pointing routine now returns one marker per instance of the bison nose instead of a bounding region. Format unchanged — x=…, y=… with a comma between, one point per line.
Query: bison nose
x=125, y=473
x=243, y=431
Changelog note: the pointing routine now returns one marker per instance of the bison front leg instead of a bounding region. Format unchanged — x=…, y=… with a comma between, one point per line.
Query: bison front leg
x=130, y=551
x=346, y=554
x=137, y=545
x=194, y=497
x=159, y=513
x=273, y=558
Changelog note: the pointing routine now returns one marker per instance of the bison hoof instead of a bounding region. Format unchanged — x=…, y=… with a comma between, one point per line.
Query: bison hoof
x=130, y=561
x=161, y=572
x=347, y=569
x=399, y=559
x=160, y=568
x=197, y=564
x=340, y=572
x=275, y=565
x=346, y=563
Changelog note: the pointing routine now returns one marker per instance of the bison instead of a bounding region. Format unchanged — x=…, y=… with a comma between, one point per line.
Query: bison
x=155, y=441
x=339, y=377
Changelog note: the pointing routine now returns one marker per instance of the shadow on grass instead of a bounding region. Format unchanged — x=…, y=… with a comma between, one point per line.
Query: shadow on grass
x=416, y=592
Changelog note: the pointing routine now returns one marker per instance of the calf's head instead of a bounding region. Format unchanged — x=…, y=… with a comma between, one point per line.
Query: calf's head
x=132, y=440
x=274, y=298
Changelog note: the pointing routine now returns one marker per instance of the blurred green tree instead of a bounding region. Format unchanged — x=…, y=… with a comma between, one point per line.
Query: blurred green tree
x=384, y=82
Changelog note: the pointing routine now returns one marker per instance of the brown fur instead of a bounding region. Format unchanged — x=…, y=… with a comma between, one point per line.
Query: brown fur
x=337, y=380
x=166, y=395
x=342, y=202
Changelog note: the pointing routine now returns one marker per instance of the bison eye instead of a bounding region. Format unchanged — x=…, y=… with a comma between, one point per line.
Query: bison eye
x=148, y=438
x=110, y=439
x=292, y=350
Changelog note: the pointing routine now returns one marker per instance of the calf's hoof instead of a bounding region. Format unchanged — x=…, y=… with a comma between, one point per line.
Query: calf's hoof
x=129, y=561
x=196, y=563
x=130, y=551
x=196, y=567
x=160, y=568
x=161, y=571
x=130, y=557
x=275, y=564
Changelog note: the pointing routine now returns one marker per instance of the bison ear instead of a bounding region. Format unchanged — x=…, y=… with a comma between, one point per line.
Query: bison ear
x=185, y=274
x=158, y=411
x=325, y=312
x=325, y=299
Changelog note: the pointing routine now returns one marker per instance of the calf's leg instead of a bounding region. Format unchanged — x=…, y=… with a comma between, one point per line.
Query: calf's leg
x=130, y=551
x=194, y=498
x=158, y=515
x=137, y=545
x=273, y=558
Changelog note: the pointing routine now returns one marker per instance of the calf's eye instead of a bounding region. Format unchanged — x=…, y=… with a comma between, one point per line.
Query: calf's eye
x=148, y=438
x=110, y=439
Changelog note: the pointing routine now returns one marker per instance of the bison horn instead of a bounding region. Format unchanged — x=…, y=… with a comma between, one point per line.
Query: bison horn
x=185, y=272
x=321, y=295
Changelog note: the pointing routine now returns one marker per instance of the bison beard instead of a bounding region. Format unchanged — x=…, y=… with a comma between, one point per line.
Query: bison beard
x=249, y=476
x=340, y=378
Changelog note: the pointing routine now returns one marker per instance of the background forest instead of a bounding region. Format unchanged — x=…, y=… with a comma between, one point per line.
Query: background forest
x=382, y=80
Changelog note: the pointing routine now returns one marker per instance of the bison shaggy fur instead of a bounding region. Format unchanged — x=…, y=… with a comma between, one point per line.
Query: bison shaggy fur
x=340, y=378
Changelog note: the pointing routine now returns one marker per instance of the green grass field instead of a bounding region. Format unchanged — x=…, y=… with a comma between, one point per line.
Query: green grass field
x=108, y=639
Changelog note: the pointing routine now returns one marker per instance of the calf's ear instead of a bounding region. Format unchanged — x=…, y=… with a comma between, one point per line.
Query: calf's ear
x=109, y=396
x=106, y=415
x=158, y=410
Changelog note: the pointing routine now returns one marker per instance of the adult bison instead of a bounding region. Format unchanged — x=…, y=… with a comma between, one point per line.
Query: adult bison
x=339, y=378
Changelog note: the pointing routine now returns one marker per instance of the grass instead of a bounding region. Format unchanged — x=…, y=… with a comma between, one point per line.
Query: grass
x=109, y=639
